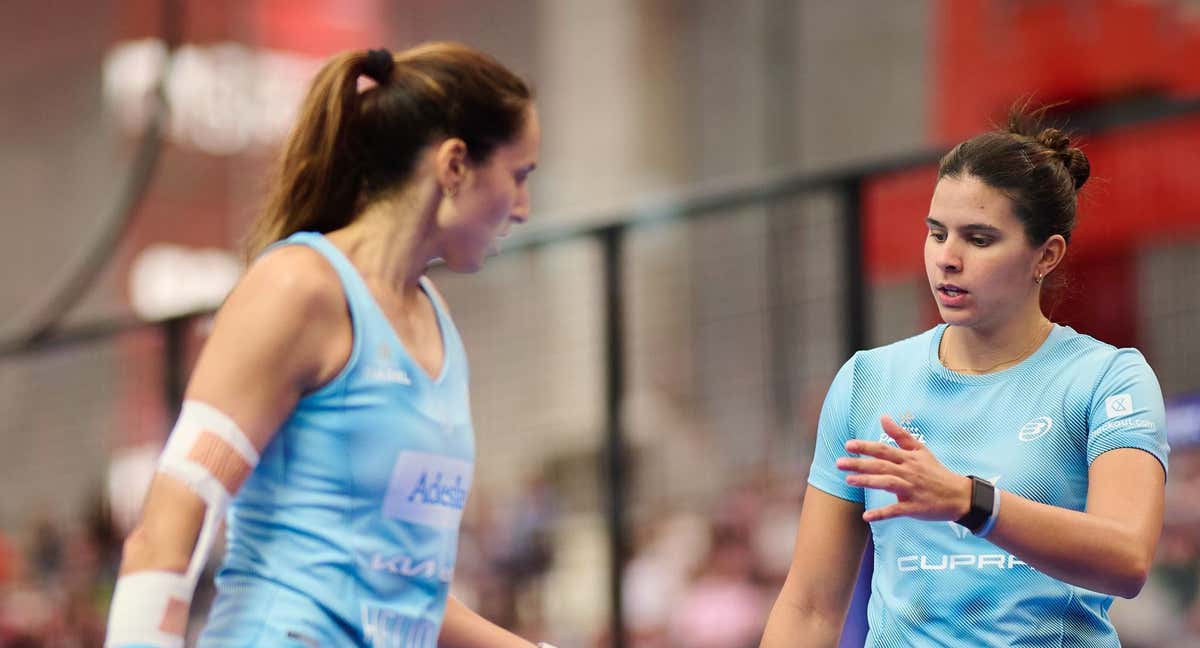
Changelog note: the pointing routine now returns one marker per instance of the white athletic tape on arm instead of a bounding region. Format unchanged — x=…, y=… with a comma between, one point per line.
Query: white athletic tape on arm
x=149, y=608
x=210, y=454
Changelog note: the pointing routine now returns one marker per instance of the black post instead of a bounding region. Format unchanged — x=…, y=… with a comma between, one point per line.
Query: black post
x=854, y=305
x=612, y=238
x=174, y=333
x=857, y=328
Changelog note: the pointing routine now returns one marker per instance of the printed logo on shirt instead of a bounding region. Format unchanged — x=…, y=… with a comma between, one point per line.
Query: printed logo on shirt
x=1118, y=406
x=907, y=422
x=959, y=530
x=1138, y=424
x=383, y=371
x=1035, y=429
x=951, y=562
x=428, y=489
x=429, y=570
x=383, y=627
x=388, y=375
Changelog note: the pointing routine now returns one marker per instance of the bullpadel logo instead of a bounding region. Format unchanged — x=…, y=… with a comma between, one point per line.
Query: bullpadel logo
x=1035, y=429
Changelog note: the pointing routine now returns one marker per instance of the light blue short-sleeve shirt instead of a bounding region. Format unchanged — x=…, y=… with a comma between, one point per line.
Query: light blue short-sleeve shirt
x=1034, y=430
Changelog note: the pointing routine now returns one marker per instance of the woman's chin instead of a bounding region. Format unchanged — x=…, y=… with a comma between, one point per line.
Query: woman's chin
x=955, y=316
x=467, y=261
x=465, y=267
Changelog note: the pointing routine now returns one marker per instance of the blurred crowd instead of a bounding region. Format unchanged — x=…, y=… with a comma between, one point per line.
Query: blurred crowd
x=702, y=578
x=56, y=580
x=1167, y=612
x=707, y=579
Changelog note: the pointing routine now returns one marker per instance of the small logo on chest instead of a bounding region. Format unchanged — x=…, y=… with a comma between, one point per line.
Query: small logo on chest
x=389, y=375
x=1035, y=429
x=908, y=422
x=382, y=371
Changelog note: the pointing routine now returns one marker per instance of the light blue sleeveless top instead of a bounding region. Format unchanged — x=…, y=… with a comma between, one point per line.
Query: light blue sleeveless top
x=346, y=532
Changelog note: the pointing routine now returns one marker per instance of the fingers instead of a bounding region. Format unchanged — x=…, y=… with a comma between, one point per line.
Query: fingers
x=890, y=483
x=899, y=509
x=868, y=466
x=874, y=449
x=875, y=473
x=901, y=436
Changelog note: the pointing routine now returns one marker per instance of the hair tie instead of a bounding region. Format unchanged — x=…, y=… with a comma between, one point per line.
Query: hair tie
x=379, y=65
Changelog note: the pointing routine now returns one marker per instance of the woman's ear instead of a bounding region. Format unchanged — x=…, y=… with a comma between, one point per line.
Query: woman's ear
x=450, y=162
x=1053, y=251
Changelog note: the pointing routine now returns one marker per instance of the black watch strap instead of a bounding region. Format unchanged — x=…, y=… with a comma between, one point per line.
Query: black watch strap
x=983, y=495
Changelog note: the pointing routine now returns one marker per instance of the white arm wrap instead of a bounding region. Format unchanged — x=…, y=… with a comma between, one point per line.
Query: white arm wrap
x=210, y=454
x=149, y=608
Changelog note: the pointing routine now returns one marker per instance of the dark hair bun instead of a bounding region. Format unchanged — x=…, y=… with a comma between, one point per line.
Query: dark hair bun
x=1054, y=139
x=1072, y=158
x=1078, y=165
x=378, y=65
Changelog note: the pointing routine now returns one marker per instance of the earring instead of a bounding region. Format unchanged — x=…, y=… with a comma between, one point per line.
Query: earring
x=451, y=191
x=1038, y=278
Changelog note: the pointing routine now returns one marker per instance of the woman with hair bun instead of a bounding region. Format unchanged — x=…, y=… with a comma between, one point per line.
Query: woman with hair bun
x=328, y=413
x=1009, y=469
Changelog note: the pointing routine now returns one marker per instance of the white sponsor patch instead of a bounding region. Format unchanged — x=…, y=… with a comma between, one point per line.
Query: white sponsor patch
x=428, y=489
x=1118, y=406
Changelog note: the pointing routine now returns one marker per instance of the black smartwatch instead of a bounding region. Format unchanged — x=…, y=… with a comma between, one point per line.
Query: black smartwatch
x=983, y=498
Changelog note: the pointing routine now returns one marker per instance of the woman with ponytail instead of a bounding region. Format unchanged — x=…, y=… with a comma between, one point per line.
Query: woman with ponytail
x=327, y=419
x=1009, y=469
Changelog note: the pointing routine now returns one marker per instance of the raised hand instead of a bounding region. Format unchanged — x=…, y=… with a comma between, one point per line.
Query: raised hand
x=926, y=489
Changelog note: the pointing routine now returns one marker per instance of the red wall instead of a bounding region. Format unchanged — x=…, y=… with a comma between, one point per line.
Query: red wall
x=989, y=54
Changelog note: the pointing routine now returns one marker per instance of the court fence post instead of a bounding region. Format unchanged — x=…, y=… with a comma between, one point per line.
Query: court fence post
x=612, y=239
x=174, y=332
x=855, y=318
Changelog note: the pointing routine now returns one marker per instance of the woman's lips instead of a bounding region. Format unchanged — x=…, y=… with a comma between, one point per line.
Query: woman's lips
x=951, y=296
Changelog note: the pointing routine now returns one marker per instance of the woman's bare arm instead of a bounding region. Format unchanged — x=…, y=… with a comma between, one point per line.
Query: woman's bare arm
x=282, y=331
x=811, y=608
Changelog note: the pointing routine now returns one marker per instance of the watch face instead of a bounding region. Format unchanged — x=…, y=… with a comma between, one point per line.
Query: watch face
x=982, y=495
x=982, y=501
